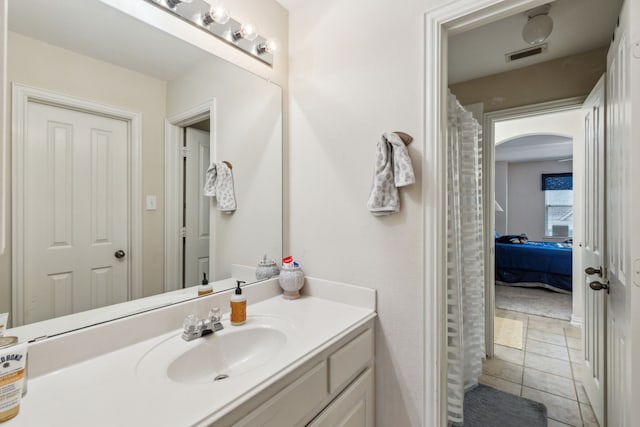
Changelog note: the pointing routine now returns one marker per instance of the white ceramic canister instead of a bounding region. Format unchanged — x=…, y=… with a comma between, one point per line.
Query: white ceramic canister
x=266, y=269
x=291, y=280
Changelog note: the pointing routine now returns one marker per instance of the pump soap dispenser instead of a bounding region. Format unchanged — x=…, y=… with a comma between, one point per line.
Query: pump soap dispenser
x=238, y=306
x=205, y=288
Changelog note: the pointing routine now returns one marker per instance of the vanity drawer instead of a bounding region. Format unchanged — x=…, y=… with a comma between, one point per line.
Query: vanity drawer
x=292, y=404
x=350, y=360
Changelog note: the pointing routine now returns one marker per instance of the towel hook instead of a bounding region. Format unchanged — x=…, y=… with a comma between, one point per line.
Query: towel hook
x=405, y=137
x=228, y=163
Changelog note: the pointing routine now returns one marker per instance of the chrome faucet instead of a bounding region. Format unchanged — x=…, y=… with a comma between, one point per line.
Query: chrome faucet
x=194, y=328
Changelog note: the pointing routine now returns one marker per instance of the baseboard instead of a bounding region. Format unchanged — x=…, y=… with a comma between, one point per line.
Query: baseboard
x=576, y=321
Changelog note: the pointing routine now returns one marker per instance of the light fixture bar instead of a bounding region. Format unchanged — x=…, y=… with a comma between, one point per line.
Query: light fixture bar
x=196, y=12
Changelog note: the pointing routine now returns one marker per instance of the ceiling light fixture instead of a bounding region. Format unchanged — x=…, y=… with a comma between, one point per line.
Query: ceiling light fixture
x=539, y=25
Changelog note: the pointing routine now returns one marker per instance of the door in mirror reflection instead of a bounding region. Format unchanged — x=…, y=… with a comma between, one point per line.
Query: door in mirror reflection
x=196, y=215
x=76, y=211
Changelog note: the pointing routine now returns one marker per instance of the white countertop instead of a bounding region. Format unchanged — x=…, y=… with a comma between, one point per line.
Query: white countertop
x=108, y=391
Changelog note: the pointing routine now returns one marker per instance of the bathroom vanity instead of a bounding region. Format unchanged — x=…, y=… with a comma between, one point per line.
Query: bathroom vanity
x=295, y=362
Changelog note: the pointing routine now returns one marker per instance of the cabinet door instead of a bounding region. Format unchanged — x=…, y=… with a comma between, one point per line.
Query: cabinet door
x=354, y=407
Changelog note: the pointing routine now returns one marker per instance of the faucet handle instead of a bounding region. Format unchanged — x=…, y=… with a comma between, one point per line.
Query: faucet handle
x=215, y=317
x=190, y=323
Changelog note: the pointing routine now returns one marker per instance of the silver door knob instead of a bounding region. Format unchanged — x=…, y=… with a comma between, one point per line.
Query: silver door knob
x=591, y=270
x=119, y=254
x=597, y=286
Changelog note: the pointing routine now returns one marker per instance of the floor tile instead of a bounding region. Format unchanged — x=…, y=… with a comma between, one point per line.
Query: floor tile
x=554, y=423
x=547, y=364
x=547, y=337
x=558, y=408
x=574, y=343
x=546, y=326
x=549, y=383
x=576, y=356
x=579, y=371
x=582, y=394
x=508, y=354
x=573, y=331
x=501, y=369
x=588, y=417
x=500, y=384
x=546, y=349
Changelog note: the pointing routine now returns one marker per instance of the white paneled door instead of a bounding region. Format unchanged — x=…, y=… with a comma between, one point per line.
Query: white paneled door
x=196, y=209
x=593, y=249
x=76, y=211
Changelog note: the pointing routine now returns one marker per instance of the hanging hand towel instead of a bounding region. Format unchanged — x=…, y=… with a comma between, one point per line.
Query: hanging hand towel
x=392, y=170
x=219, y=184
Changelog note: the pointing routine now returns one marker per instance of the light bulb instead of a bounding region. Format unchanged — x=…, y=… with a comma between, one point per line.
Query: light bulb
x=268, y=46
x=173, y=3
x=218, y=14
x=247, y=31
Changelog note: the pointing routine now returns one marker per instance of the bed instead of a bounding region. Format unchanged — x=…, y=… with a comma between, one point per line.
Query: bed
x=544, y=264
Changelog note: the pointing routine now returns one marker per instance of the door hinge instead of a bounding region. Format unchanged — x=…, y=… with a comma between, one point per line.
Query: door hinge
x=183, y=232
x=184, y=151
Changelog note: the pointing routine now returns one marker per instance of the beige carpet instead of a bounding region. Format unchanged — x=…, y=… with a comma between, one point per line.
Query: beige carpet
x=508, y=332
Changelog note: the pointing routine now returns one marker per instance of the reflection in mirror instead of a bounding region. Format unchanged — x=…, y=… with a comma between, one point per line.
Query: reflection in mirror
x=114, y=125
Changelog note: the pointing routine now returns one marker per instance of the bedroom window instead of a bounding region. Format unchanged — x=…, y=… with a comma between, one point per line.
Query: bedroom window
x=558, y=200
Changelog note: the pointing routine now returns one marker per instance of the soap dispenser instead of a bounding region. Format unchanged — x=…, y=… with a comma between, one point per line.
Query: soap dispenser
x=238, y=306
x=205, y=288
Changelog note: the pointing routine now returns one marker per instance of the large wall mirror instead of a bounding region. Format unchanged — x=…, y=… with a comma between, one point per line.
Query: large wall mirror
x=112, y=125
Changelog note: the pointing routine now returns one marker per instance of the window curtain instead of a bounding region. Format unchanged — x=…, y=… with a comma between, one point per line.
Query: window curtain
x=557, y=181
x=465, y=257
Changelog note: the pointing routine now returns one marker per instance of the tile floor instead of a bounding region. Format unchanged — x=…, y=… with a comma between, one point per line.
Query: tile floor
x=546, y=370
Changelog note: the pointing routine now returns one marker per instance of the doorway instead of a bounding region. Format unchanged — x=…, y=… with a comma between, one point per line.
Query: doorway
x=196, y=206
x=453, y=18
x=190, y=139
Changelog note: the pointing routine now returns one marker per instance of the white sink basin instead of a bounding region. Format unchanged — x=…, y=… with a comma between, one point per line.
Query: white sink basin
x=229, y=353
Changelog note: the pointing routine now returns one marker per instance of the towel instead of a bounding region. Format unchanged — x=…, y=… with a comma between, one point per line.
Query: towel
x=219, y=184
x=392, y=170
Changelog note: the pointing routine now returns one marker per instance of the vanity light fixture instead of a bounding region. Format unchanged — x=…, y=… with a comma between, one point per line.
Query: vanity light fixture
x=217, y=14
x=247, y=31
x=214, y=18
x=173, y=3
x=269, y=46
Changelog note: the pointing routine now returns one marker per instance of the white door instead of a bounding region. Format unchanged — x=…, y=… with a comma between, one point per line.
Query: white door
x=76, y=221
x=622, y=222
x=196, y=211
x=593, y=248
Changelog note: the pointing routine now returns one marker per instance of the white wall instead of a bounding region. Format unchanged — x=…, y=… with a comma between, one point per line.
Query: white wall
x=247, y=131
x=525, y=207
x=501, y=188
x=356, y=71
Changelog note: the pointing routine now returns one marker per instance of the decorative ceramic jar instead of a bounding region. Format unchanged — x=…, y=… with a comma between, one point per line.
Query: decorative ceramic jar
x=291, y=280
x=266, y=269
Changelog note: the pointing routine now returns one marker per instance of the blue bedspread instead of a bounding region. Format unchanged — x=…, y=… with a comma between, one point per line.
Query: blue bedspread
x=545, y=262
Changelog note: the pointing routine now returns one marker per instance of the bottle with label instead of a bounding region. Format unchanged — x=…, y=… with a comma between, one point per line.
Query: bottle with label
x=205, y=288
x=238, y=306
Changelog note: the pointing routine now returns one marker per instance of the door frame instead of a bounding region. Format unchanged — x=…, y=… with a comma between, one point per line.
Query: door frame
x=173, y=187
x=455, y=17
x=21, y=96
x=488, y=151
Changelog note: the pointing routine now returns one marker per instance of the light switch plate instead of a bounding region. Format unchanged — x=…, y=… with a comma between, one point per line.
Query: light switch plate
x=151, y=202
